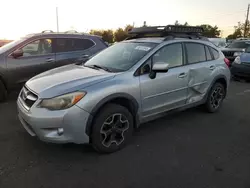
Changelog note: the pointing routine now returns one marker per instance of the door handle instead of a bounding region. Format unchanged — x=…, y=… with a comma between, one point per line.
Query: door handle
x=182, y=75
x=50, y=60
x=212, y=67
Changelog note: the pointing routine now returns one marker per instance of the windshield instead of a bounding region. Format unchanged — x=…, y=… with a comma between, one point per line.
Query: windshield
x=10, y=45
x=238, y=45
x=121, y=56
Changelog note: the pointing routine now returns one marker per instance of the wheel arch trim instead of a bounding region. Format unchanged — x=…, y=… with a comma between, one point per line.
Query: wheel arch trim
x=108, y=99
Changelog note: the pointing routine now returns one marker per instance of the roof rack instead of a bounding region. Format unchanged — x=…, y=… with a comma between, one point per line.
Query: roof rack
x=47, y=31
x=169, y=31
x=71, y=31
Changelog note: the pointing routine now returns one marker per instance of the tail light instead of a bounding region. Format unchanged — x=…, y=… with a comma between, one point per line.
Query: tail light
x=227, y=62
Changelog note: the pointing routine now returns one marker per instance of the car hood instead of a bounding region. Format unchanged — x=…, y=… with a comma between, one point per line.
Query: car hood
x=232, y=49
x=66, y=79
x=245, y=57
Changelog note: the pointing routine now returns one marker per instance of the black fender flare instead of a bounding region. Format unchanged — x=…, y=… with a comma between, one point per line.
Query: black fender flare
x=107, y=99
x=213, y=82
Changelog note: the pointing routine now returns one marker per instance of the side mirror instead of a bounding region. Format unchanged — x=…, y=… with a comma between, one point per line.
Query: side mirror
x=17, y=53
x=158, y=67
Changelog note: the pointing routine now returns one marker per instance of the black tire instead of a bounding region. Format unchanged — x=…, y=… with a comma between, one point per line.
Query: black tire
x=3, y=92
x=211, y=105
x=116, y=132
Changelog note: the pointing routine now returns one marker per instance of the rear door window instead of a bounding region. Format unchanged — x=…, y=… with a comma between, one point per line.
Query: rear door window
x=64, y=45
x=82, y=44
x=195, y=53
x=69, y=45
x=208, y=54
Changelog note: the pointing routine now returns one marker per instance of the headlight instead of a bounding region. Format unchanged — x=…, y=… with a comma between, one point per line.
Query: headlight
x=237, y=60
x=62, y=102
x=237, y=53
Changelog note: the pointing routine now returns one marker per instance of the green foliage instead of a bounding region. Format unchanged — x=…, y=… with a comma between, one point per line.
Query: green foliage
x=107, y=35
x=121, y=34
x=239, y=31
x=111, y=36
x=210, y=31
x=96, y=32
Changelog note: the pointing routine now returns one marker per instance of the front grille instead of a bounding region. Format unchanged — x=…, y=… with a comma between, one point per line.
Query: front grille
x=28, y=98
x=228, y=53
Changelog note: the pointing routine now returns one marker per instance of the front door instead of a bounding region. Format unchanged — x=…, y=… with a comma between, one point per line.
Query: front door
x=37, y=57
x=168, y=90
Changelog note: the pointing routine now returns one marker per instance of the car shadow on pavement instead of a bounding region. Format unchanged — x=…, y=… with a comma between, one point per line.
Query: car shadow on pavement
x=74, y=150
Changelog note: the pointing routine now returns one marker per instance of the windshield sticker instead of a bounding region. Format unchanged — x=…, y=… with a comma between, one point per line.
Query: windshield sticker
x=143, y=48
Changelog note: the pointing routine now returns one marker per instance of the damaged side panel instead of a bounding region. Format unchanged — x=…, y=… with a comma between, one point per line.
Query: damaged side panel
x=198, y=84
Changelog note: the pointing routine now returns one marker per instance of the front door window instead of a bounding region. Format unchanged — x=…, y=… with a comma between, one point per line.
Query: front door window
x=38, y=47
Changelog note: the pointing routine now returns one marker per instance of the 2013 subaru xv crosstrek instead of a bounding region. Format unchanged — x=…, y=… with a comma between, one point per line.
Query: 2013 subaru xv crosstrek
x=127, y=84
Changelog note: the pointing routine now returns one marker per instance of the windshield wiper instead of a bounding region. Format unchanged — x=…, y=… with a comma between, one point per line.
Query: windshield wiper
x=99, y=67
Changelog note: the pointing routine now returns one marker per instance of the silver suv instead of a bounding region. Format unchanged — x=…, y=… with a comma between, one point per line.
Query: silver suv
x=157, y=70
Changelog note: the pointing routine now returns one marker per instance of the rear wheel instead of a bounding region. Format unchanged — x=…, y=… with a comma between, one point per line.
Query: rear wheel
x=215, y=97
x=112, y=128
x=3, y=92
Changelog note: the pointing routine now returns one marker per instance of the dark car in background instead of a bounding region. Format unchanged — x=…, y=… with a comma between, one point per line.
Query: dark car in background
x=35, y=53
x=241, y=66
x=236, y=48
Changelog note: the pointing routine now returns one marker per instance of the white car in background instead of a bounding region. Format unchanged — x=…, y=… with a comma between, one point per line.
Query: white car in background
x=219, y=42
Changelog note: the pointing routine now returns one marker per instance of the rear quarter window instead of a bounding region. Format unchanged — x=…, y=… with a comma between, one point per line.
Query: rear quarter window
x=215, y=53
x=83, y=44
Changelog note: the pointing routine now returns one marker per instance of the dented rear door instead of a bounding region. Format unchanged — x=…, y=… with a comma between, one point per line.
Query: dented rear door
x=200, y=66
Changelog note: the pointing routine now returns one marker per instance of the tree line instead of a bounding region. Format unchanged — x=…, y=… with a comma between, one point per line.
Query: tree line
x=120, y=34
x=239, y=30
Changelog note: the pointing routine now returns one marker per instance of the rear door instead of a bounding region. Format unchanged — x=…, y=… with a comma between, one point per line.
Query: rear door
x=72, y=50
x=200, y=65
x=38, y=56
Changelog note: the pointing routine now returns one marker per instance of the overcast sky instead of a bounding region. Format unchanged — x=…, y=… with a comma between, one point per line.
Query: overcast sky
x=21, y=17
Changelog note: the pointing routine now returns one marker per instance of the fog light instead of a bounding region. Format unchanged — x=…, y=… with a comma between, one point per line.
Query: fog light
x=60, y=131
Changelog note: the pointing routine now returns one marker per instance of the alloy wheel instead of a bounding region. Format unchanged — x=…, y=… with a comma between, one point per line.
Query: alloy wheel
x=216, y=97
x=113, y=129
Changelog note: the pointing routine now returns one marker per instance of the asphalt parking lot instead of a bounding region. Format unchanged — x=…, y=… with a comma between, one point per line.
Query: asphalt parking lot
x=188, y=149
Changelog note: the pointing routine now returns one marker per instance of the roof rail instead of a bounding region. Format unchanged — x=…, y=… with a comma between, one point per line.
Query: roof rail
x=169, y=31
x=71, y=31
x=47, y=31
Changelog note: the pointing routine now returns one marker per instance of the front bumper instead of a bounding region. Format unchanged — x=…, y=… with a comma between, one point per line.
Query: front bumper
x=63, y=126
x=240, y=70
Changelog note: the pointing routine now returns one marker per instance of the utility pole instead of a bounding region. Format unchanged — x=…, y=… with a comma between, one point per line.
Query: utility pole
x=246, y=24
x=57, y=22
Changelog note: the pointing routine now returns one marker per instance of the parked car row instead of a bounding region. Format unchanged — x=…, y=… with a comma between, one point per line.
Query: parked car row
x=156, y=70
x=22, y=59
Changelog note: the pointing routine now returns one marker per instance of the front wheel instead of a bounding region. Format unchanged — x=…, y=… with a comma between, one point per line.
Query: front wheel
x=215, y=98
x=112, y=128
